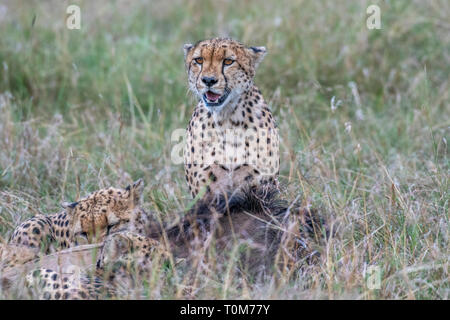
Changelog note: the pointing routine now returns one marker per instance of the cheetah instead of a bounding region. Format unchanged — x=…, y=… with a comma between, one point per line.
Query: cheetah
x=124, y=261
x=52, y=285
x=232, y=138
x=88, y=219
x=270, y=229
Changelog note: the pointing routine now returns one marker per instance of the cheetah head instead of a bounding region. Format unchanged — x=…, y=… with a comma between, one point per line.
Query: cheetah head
x=220, y=70
x=92, y=217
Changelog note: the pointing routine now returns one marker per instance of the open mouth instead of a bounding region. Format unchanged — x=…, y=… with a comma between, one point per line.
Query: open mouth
x=213, y=99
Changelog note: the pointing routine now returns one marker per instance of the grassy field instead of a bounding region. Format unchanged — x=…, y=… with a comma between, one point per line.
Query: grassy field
x=364, y=117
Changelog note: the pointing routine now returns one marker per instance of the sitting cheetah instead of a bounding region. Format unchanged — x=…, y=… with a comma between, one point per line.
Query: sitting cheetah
x=89, y=218
x=232, y=139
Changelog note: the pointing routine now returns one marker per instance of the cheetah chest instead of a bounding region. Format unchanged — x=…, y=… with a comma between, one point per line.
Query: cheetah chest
x=227, y=153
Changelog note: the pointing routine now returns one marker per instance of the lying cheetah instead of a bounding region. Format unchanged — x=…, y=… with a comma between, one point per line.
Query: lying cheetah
x=271, y=231
x=51, y=285
x=88, y=219
x=124, y=262
x=232, y=139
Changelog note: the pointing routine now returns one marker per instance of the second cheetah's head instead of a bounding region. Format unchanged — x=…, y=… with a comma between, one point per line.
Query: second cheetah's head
x=94, y=215
x=220, y=70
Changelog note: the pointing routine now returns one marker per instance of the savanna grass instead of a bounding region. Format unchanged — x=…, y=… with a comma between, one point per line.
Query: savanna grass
x=363, y=115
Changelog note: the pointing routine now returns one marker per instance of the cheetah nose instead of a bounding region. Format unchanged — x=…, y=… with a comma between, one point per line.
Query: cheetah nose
x=209, y=81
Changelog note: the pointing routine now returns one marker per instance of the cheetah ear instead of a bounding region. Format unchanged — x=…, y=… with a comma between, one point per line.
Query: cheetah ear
x=69, y=206
x=187, y=47
x=136, y=190
x=257, y=54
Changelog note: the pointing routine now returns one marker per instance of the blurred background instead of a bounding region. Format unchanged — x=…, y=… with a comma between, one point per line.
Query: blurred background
x=363, y=115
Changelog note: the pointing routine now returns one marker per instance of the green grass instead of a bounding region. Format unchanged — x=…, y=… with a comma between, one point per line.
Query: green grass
x=83, y=109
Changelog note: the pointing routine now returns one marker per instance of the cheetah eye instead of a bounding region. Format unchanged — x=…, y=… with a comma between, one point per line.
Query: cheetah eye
x=199, y=60
x=228, y=61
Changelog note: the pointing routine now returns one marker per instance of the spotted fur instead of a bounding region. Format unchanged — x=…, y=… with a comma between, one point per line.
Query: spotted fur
x=51, y=285
x=231, y=141
x=88, y=219
x=124, y=261
x=254, y=217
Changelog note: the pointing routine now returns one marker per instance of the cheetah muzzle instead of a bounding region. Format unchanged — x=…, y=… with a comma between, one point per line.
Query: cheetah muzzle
x=214, y=100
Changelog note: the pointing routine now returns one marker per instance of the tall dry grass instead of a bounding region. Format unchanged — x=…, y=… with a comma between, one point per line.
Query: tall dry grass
x=363, y=115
